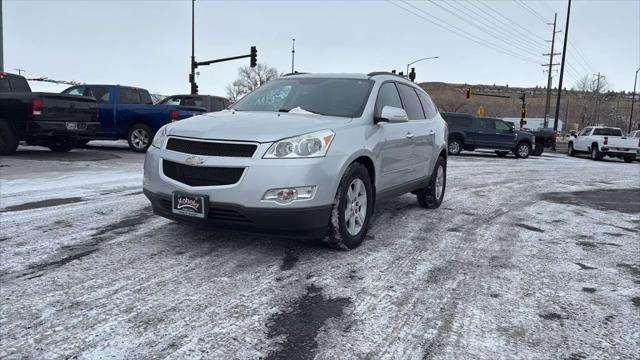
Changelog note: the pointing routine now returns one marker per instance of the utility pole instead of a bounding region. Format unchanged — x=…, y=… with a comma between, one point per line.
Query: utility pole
x=551, y=64
x=192, y=75
x=293, y=55
x=20, y=71
x=1, y=41
x=564, y=56
x=597, y=110
x=633, y=99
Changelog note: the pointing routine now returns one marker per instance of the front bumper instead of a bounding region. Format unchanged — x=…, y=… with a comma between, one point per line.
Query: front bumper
x=300, y=223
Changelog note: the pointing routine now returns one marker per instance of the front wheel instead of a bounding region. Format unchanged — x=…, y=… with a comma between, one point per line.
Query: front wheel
x=523, y=150
x=455, y=147
x=431, y=196
x=139, y=137
x=61, y=144
x=352, y=209
x=571, y=151
x=8, y=139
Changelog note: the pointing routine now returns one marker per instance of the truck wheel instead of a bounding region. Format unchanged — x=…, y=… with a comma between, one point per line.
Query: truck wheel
x=502, y=153
x=139, y=137
x=595, y=153
x=455, y=147
x=538, y=149
x=629, y=159
x=82, y=142
x=523, y=150
x=571, y=151
x=8, y=139
x=61, y=144
x=431, y=196
x=352, y=209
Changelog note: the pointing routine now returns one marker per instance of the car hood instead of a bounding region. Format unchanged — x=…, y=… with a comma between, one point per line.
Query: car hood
x=253, y=126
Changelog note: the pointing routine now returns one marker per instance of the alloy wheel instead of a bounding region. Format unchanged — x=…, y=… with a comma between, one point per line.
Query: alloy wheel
x=139, y=138
x=355, y=211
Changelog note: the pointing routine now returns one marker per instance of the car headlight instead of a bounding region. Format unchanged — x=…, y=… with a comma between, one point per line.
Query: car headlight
x=160, y=137
x=315, y=144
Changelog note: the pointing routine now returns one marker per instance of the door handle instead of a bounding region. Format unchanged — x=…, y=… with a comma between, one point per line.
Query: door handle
x=409, y=135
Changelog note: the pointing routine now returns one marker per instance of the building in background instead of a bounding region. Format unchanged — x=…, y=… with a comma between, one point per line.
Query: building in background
x=535, y=123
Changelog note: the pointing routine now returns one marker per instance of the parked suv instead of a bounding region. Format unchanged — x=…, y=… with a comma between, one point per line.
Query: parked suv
x=303, y=155
x=211, y=103
x=467, y=132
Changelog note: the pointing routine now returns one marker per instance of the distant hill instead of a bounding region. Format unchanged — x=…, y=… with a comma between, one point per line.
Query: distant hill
x=614, y=107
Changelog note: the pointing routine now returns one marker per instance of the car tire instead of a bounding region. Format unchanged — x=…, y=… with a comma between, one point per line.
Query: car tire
x=629, y=159
x=347, y=225
x=431, y=197
x=454, y=147
x=502, y=153
x=61, y=144
x=571, y=151
x=538, y=149
x=523, y=150
x=8, y=139
x=139, y=137
x=82, y=142
x=596, y=154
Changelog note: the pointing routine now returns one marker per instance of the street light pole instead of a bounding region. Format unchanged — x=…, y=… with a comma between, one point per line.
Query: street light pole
x=192, y=75
x=293, y=55
x=633, y=99
x=411, y=63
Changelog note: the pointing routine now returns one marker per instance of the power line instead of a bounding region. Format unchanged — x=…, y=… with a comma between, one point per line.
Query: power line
x=459, y=32
x=532, y=11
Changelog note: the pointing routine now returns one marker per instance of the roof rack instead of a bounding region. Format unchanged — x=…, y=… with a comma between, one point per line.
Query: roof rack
x=295, y=73
x=384, y=73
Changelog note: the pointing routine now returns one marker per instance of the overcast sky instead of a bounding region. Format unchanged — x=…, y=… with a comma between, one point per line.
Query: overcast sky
x=148, y=43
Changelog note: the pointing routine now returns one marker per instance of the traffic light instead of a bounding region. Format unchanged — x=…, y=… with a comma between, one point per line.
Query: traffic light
x=254, y=56
x=523, y=114
x=468, y=89
x=412, y=74
x=194, y=88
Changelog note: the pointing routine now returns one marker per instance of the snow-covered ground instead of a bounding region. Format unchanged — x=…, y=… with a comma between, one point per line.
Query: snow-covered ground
x=504, y=269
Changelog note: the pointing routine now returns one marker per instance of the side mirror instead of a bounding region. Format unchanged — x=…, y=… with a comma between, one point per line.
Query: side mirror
x=392, y=114
x=512, y=129
x=573, y=134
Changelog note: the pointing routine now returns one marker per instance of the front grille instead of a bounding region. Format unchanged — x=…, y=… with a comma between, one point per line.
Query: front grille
x=201, y=175
x=215, y=213
x=211, y=148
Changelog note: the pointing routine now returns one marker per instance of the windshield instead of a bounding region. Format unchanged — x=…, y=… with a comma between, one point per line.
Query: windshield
x=324, y=96
x=608, y=132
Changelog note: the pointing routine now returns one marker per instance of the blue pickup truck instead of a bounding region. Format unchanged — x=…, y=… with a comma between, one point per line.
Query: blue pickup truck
x=128, y=113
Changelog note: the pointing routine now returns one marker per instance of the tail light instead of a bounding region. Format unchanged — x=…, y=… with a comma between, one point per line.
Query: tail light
x=173, y=116
x=36, y=107
x=606, y=140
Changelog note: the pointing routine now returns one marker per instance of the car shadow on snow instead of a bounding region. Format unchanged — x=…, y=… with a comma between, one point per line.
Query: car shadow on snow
x=44, y=154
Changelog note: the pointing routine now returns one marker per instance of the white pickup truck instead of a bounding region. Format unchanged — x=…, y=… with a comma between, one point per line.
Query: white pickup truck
x=600, y=141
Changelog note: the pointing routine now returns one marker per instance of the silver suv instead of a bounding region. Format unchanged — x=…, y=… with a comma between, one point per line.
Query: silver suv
x=304, y=156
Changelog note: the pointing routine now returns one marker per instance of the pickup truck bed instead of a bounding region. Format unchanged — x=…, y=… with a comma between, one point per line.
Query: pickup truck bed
x=46, y=119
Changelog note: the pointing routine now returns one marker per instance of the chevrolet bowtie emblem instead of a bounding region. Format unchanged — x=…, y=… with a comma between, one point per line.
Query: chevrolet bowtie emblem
x=194, y=160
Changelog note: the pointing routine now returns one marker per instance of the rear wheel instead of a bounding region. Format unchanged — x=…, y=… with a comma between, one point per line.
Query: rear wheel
x=595, y=153
x=571, y=151
x=502, y=153
x=455, y=147
x=82, y=142
x=431, y=196
x=538, y=149
x=629, y=159
x=352, y=209
x=139, y=137
x=523, y=150
x=61, y=144
x=8, y=139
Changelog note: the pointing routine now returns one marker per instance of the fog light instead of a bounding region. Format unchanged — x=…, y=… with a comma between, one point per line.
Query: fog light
x=287, y=195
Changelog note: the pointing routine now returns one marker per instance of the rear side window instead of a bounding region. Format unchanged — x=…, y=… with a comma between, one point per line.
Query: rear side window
x=4, y=85
x=100, y=93
x=19, y=85
x=387, y=96
x=503, y=126
x=637, y=134
x=411, y=102
x=171, y=101
x=457, y=122
x=487, y=124
x=76, y=91
x=145, y=97
x=193, y=101
x=129, y=96
x=429, y=108
x=608, y=132
x=218, y=104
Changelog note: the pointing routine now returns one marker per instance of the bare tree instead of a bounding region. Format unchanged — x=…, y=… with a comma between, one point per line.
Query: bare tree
x=588, y=94
x=250, y=79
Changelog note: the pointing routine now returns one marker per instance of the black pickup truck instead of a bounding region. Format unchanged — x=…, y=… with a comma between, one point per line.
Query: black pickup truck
x=45, y=119
x=545, y=138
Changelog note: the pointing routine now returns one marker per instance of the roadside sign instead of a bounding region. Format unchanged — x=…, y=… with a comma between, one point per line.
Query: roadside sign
x=481, y=111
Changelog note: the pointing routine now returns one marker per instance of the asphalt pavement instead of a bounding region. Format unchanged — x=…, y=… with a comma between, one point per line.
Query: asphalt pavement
x=532, y=259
